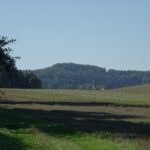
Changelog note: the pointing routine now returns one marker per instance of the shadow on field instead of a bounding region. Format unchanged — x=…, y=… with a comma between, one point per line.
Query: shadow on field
x=73, y=103
x=7, y=142
x=63, y=123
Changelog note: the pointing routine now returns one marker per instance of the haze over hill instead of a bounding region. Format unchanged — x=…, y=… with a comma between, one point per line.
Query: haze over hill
x=78, y=76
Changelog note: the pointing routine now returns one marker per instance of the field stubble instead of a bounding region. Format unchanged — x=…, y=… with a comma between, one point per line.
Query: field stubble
x=74, y=119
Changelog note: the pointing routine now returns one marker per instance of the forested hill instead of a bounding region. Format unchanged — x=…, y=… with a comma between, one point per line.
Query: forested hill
x=76, y=76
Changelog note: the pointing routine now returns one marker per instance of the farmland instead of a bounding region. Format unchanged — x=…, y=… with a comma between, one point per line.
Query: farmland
x=75, y=119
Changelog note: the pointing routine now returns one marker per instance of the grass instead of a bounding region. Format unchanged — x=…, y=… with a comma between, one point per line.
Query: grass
x=138, y=95
x=76, y=120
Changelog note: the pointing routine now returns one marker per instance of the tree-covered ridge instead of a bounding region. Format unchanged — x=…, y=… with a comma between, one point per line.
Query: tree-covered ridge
x=76, y=76
x=10, y=76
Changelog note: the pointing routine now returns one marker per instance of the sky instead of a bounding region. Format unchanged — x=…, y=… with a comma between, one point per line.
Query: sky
x=114, y=34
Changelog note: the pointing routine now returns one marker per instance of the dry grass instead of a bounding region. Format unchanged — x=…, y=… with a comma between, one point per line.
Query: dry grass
x=119, y=116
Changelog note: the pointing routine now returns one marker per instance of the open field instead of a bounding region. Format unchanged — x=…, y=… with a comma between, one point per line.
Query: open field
x=75, y=120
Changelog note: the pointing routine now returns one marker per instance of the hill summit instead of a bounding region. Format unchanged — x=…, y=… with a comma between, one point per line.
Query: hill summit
x=77, y=76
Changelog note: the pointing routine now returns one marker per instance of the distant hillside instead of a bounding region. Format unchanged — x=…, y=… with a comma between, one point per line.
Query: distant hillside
x=76, y=76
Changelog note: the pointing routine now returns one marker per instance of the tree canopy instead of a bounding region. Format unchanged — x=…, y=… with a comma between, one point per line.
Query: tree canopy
x=76, y=76
x=10, y=76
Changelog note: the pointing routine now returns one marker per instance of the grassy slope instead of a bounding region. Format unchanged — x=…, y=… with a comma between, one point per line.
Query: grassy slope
x=135, y=95
x=50, y=129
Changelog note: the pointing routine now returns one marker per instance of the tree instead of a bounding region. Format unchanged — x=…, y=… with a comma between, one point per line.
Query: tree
x=7, y=63
x=32, y=81
x=10, y=76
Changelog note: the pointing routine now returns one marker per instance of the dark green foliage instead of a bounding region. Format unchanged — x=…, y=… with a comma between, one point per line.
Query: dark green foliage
x=32, y=81
x=7, y=64
x=117, y=79
x=10, y=77
x=75, y=76
x=71, y=76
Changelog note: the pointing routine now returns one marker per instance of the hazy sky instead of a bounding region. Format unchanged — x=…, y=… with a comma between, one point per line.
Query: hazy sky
x=108, y=33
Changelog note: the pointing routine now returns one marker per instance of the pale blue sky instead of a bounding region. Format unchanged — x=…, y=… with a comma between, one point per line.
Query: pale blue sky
x=108, y=33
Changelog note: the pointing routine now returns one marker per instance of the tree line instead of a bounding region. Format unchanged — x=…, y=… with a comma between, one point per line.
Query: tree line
x=65, y=75
x=10, y=76
x=76, y=76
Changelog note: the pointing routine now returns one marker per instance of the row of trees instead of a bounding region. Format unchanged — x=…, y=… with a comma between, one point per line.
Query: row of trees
x=64, y=76
x=10, y=76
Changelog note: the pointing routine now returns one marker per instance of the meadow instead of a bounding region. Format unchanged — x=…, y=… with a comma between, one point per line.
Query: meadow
x=116, y=119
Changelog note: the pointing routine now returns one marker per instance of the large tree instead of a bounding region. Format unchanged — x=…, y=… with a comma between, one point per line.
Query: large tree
x=8, y=68
x=10, y=77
